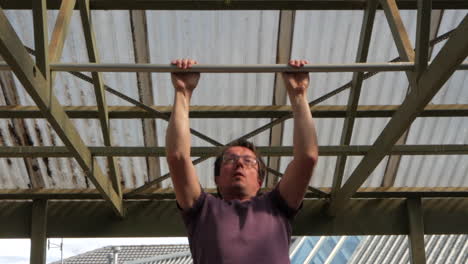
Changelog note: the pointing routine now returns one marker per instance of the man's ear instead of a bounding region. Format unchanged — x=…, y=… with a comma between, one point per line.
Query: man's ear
x=260, y=182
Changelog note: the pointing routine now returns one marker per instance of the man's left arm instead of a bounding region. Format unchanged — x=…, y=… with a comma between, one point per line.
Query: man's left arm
x=296, y=178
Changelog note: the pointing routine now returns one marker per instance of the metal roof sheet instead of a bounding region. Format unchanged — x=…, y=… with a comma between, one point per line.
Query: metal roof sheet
x=242, y=37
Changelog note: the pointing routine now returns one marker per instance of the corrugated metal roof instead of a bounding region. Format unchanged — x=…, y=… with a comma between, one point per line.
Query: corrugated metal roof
x=243, y=37
x=445, y=249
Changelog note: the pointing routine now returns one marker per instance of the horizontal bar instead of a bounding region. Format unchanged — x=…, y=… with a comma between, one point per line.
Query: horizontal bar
x=162, y=218
x=232, y=68
x=234, y=111
x=223, y=68
x=235, y=4
x=56, y=151
x=168, y=193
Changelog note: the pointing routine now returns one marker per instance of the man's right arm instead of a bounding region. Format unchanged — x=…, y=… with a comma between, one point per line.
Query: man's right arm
x=183, y=174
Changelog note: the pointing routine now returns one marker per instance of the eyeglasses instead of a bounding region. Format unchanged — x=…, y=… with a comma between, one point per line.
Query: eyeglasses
x=247, y=160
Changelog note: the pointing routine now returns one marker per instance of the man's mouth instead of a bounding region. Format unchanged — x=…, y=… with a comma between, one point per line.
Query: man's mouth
x=238, y=173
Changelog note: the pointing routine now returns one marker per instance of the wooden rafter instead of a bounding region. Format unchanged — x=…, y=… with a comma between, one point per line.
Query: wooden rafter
x=283, y=55
x=451, y=55
x=359, y=150
x=145, y=86
x=38, y=88
x=399, y=33
x=41, y=38
x=423, y=32
x=60, y=31
x=168, y=193
x=226, y=111
x=393, y=162
x=103, y=111
x=150, y=218
x=236, y=5
x=353, y=99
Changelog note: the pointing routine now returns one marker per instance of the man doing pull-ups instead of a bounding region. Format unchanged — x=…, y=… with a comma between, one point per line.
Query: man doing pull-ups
x=242, y=226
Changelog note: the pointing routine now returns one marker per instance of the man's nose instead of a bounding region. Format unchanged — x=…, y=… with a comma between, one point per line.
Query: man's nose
x=239, y=162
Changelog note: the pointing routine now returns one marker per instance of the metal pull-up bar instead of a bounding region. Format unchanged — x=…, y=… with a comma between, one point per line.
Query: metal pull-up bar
x=233, y=68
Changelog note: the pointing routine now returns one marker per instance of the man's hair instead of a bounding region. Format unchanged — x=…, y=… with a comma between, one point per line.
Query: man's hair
x=246, y=144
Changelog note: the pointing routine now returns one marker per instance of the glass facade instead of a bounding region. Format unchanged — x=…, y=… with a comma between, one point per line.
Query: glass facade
x=318, y=250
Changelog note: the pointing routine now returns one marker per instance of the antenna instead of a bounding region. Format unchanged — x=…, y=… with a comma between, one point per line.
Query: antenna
x=59, y=246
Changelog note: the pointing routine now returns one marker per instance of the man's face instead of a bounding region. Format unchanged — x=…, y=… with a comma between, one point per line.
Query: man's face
x=239, y=174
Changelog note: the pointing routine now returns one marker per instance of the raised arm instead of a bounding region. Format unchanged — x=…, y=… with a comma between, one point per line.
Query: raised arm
x=296, y=178
x=183, y=174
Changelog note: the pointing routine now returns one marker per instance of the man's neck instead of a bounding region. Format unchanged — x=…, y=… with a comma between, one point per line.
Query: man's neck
x=240, y=197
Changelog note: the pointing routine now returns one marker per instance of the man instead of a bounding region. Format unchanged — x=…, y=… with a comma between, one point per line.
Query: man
x=242, y=227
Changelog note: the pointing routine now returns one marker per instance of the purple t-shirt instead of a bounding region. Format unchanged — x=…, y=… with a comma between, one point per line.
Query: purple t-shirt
x=255, y=231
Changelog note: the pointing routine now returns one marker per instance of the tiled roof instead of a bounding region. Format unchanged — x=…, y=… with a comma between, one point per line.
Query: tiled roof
x=126, y=253
x=175, y=258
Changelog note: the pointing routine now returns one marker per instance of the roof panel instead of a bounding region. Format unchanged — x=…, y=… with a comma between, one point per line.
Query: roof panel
x=433, y=171
x=222, y=37
x=375, y=177
x=240, y=37
x=315, y=40
x=215, y=37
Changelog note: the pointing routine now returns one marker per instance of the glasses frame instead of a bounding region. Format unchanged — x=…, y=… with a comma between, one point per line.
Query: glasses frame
x=239, y=157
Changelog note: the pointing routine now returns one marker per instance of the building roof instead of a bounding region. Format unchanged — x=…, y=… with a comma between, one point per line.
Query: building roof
x=447, y=249
x=175, y=258
x=125, y=254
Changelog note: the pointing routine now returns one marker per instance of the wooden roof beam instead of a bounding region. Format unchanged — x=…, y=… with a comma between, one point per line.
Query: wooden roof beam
x=59, y=34
x=37, y=86
x=235, y=111
x=235, y=5
x=145, y=87
x=354, y=94
x=278, y=151
x=451, y=55
x=101, y=101
x=428, y=25
x=150, y=218
x=283, y=55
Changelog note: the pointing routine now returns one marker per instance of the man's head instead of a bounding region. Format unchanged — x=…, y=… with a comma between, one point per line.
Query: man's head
x=239, y=170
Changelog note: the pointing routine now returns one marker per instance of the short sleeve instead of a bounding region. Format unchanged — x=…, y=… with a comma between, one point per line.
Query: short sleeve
x=282, y=205
x=189, y=213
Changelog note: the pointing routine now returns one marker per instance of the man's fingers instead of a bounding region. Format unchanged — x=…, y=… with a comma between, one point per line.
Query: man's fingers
x=184, y=63
x=298, y=63
x=194, y=62
x=191, y=62
x=295, y=63
x=176, y=62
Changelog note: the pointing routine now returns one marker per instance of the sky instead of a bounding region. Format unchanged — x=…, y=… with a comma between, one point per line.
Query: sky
x=16, y=251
